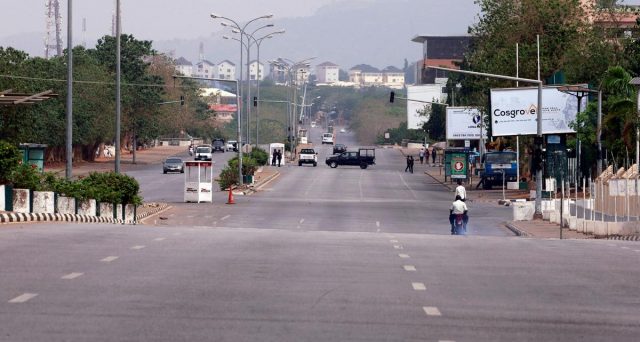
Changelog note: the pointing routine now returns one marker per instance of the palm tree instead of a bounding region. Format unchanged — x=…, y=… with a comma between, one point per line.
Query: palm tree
x=621, y=120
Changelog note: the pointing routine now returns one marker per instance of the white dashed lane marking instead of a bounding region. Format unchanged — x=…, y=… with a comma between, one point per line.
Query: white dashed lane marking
x=431, y=311
x=71, y=276
x=378, y=224
x=301, y=221
x=225, y=217
x=418, y=286
x=625, y=247
x=138, y=247
x=397, y=246
x=404, y=256
x=23, y=298
x=393, y=241
x=109, y=259
x=159, y=239
x=409, y=268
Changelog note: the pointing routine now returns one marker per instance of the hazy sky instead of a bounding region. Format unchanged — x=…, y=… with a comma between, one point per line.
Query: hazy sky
x=154, y=19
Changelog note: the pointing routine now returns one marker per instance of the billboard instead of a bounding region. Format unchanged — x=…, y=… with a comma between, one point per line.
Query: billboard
x=463, y=123
x=429, y=93
x=514, y=111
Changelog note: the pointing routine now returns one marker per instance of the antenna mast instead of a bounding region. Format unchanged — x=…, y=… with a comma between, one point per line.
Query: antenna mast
x=53, y=38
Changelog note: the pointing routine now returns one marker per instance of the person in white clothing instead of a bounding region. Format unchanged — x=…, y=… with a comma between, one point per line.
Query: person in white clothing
x=458, y=207
x=461, y=191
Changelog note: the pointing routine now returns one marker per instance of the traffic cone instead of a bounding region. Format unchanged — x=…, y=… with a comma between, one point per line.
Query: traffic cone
x=230, y=200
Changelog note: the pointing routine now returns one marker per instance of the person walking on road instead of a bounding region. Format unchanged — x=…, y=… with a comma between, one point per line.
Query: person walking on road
x=421, y=155
x=279, y=157
x=461, y=191
x=406, y=169
x=411, y=161
x=274, y=157
x=433, y=156
x=426, y=155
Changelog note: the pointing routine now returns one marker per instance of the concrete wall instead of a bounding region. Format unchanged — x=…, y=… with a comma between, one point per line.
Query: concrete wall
x=3, y=206
x=66, y=205
x=106, y=210
x=87, y=207
x=44, y=202
x=21, y=200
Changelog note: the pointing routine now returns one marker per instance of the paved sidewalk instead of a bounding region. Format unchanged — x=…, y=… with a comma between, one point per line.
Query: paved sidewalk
x=544, y=230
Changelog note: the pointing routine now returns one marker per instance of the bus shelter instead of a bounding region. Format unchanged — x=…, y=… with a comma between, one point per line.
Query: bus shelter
x=198, y=181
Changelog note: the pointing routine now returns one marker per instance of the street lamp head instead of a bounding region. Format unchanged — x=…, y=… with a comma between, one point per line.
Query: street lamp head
x=214, y=16
x=267, y=16
x=225, y=37
x=235, y=31
x=269, y=25
x=224, y=24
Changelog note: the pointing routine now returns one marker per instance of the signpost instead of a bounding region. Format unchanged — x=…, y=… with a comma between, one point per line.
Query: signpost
x=459, y=165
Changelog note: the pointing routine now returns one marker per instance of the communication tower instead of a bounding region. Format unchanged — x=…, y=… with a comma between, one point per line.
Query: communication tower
x=53, y=38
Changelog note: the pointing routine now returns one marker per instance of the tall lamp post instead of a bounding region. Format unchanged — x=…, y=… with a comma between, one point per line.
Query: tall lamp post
x=69, y=142
x=239, y=95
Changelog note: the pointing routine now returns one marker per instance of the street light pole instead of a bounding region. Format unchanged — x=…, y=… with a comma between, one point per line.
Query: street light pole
x=239, y=88
x=118, y=94
x=69, y=142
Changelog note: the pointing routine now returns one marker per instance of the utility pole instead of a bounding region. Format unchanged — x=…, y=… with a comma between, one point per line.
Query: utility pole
x=69, y=143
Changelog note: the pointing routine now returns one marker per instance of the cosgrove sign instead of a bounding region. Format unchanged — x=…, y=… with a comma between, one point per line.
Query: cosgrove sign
x=514, y=111
x=463, y=123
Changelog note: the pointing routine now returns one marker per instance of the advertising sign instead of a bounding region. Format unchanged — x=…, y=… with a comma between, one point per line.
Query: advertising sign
x=429, y=93
x=463, y=123
x=459, y=165
x=514, y=111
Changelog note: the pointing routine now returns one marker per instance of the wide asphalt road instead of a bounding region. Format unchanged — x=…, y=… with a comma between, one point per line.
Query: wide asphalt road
x=319, y=255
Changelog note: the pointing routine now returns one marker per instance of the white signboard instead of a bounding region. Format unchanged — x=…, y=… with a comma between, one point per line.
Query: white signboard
x=463, y=123
x=514, y=111
x=429, y=93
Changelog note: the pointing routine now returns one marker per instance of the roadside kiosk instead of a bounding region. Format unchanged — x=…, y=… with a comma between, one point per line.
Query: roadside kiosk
x=198, y=181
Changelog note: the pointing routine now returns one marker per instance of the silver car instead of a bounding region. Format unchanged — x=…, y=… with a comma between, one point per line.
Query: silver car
x=172, y=164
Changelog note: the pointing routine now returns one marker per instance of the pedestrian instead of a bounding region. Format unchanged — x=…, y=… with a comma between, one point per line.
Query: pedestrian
x=433, y=156
x=461, y=191
x=411, y=161
x=426, y=155
x=406, y=169
x=274, y=157
x=279, y=157
x=421, y=155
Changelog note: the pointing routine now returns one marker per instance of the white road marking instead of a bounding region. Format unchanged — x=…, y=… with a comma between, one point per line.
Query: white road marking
x=138, y=247
x=431, y=311
x=419, y=286
x=636, y=250
x=611, y=245
x=409, y=268
x=625, y=247
x=378, y=224
x=404, y=256
x=397, y=246
x=109, y=259
x=159, y=239
x=393, y=241
x=360, y=184
x=225, y=217
x=301, y=221
x=407, y=186
x=23, y=298
x=71, y=276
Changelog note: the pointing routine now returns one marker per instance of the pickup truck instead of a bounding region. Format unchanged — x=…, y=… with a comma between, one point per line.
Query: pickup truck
x=203, y=152
x=307, y=156
x=363, y=158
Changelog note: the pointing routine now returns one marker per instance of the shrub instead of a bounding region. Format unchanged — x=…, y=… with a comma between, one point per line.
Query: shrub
x=261, y=156
x=9, y=159
x=112, y=188
x=228, y=177
x=25, y=176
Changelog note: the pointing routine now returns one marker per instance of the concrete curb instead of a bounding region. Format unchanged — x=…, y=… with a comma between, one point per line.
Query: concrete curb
x=35, y=217
x=620, y=238
x=440, y=182
x=519, y=232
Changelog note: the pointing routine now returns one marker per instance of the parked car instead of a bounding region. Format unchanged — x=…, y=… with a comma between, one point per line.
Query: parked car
x=218, y=145
x=203, y=152
x=363, y=158
x=327, y=138
x=339, y=148
x=172, y=164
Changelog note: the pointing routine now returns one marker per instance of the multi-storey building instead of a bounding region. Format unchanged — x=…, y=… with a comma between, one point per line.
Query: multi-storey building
x=205, y=69
x=327, y=73
x=256, y=71
x=226, y=70
x=184, y=67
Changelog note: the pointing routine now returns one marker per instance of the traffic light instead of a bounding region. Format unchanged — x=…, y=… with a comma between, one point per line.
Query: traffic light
x=182, y=100
x=537, y=160
x=255, y=101
x=392, y=96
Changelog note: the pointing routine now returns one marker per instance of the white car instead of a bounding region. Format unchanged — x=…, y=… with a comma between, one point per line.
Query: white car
x=342, y=130
x=327, y=138
x=232, y=145
x=203, y=152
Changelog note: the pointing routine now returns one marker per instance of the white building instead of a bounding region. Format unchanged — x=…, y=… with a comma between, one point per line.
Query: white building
x=327, y=73
x=205, y=69
x=184, y=67
x=226, y=70
x=256, y=71
x=393, y=77
x=365, y=75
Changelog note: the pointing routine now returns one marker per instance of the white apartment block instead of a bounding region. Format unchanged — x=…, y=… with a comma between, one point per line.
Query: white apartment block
x=184, y=67
x=205, y=69
x=226, y=70
x=327, y=73
x=256, y=71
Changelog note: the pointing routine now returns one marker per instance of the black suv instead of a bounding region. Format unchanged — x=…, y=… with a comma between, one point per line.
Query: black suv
x=218, y=145
x=339, y=148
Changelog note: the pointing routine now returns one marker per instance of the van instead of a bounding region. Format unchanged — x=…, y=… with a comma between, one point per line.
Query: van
x=203, y=152
x=327, y=138
x=218, y=145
